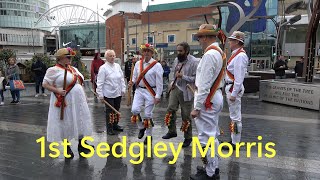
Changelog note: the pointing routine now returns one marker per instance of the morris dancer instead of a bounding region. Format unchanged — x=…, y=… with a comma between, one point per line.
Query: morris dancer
x=76, y=122
x=208, y=99
x=147, y=77
x=185, y=73
x=111, y=87
x=236, y=69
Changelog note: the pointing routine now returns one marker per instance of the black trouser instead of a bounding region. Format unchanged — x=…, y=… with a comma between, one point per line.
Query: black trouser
x=1, y=94
x=114, y=102
x=39, y=80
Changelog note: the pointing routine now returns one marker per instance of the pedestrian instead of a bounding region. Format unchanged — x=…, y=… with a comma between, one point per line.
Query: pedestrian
x=39, y=68
x=166, y=72
x=111, y=87
x=95, y=65
x=148, y=77
x=280, y=68
x=299, y=67
x=13, y=73
x=128, y=65
x=185, y=67
x=3, y=83
x=235, y=73
x=208, y=99
x=76, y=122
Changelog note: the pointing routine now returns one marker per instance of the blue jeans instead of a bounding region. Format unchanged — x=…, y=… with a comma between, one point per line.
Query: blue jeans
x=15, y=95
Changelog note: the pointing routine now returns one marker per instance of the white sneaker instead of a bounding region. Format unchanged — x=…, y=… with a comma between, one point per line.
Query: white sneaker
x=37, y=95
x=44, y=94
x=2, y=103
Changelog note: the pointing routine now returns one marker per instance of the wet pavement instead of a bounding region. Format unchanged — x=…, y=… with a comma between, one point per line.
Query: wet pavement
x=295, y=132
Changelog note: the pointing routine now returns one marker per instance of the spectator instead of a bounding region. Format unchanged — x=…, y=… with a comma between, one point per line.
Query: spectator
x=166, y=72
x=39, y=68
x=95, y=65
x=2, y=87
x=280, y=68
x=298, y=69
x=12, y=73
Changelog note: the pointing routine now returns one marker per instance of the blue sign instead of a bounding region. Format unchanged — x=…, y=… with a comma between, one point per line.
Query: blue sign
x=161, y=45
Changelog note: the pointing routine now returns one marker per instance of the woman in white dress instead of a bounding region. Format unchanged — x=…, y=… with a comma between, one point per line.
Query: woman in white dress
x=111, y=87
x=76, y=122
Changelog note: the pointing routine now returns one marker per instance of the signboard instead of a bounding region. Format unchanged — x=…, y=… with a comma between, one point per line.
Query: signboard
x=295, y=94
x=161, y=45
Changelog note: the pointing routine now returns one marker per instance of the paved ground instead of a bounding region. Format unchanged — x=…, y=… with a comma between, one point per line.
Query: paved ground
x=296, y=133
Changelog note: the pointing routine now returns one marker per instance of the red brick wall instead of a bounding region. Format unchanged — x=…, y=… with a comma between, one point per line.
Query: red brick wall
x=175, y=15
x=115, y=31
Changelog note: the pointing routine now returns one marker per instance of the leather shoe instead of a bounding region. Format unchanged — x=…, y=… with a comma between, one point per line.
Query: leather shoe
x=226, y=148
x=169, y=135
x=141, y=133
x=186, y=142
x=69, y=151
x=116, y=127
x=146, y=140
x=202, y=174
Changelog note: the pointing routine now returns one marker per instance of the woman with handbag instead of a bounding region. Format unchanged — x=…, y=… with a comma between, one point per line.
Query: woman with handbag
x=69, y=116
x=12, y=73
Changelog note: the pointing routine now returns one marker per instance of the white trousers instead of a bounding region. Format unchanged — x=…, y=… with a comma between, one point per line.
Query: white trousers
x=143, y=97
x=207, y=124
x=235, y=113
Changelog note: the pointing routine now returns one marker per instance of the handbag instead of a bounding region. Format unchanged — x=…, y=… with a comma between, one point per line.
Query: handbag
x=16, y=85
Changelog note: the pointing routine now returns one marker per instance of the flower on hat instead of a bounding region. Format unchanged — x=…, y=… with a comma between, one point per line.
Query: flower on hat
x=71, y=52
x=147, y=45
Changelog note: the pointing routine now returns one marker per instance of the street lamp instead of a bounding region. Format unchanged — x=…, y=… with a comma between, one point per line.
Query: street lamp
x=98, y=30
x=148, y=20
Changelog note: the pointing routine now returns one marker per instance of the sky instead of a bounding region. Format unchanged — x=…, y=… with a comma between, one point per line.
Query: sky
x=92, y=4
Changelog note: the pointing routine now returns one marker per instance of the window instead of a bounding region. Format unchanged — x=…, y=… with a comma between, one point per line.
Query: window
x=150, y=40
x=193, y=37
x=171, y=38
x=133, y=41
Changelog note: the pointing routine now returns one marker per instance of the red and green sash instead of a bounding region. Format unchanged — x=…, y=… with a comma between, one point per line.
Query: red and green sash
x=141, y=76
x=229, y=74
x=218, y=80
x=76, y=77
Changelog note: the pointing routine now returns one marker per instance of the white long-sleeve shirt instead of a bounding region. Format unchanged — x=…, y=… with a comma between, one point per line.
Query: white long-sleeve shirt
x=237, y=67
x=207, y=72
x=110, y=81
x=154, y=76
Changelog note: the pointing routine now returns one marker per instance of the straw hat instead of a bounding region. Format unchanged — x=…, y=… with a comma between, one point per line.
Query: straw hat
x=148, y=46
x=65, y=52
x=207, y=30
x=237, y=35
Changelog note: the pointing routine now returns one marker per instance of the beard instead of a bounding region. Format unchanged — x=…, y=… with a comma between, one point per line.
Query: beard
x=181, y=57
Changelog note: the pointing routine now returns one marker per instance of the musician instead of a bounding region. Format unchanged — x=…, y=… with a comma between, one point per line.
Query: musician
x=76, y=122
x=185, y=67
x=147, y=76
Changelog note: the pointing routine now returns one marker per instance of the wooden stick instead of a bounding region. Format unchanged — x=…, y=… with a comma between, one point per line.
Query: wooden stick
x=175, y=80
x=64, y=88
x=106, y=103
x=190, y=88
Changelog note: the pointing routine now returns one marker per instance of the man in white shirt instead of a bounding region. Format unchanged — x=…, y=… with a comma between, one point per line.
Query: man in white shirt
x=111, y=87
x=148, y=78
x=208, y=99
x=235, y=73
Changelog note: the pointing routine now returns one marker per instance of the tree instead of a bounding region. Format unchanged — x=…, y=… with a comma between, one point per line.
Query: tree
x=5, y=54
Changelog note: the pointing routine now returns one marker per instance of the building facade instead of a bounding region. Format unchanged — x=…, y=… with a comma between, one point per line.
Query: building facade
x=17, y=30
